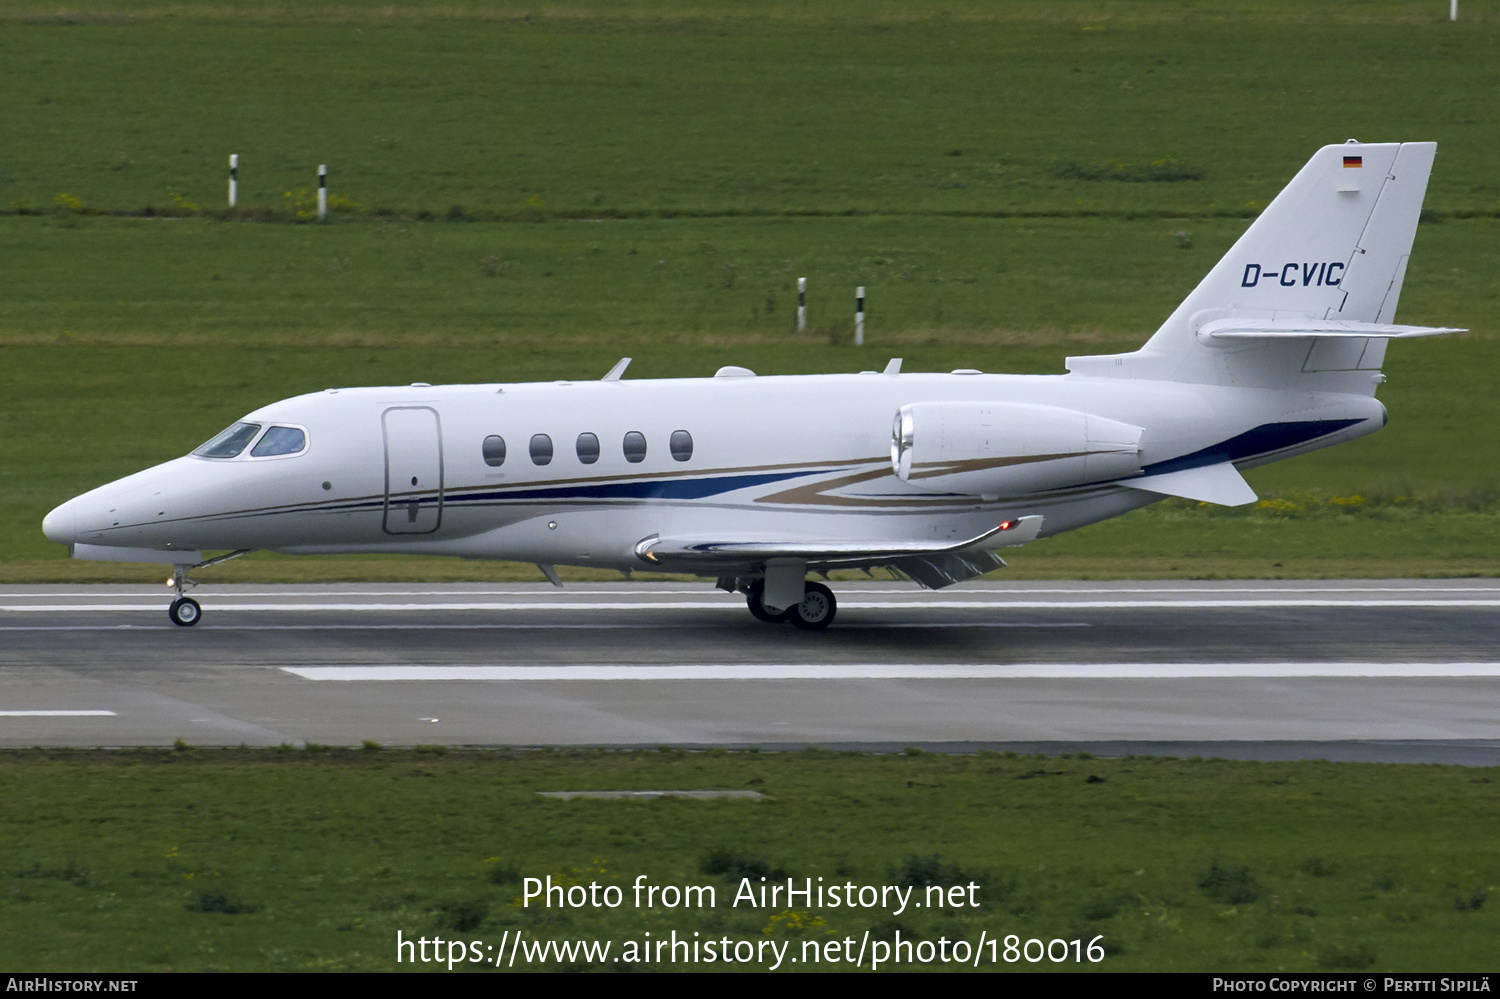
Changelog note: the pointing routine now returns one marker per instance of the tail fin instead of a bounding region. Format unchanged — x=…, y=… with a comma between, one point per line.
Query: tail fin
x=1313, y=283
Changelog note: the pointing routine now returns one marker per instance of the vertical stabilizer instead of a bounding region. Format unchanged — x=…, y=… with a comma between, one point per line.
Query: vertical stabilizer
x=1332, y=246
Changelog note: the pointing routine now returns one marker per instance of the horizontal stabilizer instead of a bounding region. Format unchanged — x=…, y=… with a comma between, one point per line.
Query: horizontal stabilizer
x=659, y=551
x=1221, y=484
x=1264, y=329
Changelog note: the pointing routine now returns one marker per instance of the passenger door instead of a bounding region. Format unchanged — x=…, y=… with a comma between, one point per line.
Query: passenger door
x=413, y=470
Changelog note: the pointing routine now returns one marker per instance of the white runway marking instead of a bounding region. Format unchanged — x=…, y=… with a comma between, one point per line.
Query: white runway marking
x=611, y=605
x=901, y=671
x=57, y=714
x=568, y=626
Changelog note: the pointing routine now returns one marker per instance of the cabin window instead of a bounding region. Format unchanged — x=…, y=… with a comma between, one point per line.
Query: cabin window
x=493, y=450
x=541, y=449
x=588, y=448
x=279, y=441
x=229, y=443
x=635, y=447
x=681, y=445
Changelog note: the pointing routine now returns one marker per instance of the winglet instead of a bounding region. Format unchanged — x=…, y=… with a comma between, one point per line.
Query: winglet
x=1009, y=534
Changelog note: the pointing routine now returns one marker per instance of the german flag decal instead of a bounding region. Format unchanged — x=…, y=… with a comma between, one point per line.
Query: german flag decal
x=1353, y=161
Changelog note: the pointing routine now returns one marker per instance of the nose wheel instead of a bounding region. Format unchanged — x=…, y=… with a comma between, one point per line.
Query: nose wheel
x=185, y=612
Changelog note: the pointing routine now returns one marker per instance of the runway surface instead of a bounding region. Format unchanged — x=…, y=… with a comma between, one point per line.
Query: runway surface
x=1369, y=669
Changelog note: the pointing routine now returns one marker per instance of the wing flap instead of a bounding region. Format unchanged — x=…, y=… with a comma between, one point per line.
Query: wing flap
x=933, y=572
x=658, y=551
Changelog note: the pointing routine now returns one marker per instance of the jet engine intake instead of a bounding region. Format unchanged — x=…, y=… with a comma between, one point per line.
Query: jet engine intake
x=994, y=449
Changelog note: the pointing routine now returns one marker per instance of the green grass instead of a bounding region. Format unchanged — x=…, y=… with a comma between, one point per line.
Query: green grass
x=708, y=106
x=313, y=859
x=979, y=286
x=633, y=283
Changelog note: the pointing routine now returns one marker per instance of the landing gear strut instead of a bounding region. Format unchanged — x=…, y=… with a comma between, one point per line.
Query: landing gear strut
x=814, y=613
x=754, y=600
x=185, y=611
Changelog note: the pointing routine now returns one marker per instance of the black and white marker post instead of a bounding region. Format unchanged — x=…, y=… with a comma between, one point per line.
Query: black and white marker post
x=802, y=305
x=859, y=316
x=234, y=182
x=322, y=191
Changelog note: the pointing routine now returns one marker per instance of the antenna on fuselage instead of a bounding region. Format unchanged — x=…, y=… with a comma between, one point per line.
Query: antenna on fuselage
x=618, y=371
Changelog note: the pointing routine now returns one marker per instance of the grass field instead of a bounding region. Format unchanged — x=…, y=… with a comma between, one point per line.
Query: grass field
x=512, y=110
x=314, y=859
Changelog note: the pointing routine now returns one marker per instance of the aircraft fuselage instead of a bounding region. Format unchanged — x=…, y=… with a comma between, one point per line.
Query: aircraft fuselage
x=409, y=470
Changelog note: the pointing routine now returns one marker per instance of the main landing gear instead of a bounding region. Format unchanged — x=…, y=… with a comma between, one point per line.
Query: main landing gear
x=814, y=613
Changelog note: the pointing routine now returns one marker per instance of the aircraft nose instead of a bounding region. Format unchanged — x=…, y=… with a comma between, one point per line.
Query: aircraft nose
x=61, y=525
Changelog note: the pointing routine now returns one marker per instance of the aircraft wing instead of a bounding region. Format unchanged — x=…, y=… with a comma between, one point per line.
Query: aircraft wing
x=931, y=565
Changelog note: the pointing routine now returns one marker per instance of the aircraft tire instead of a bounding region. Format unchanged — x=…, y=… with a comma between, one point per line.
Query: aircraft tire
x=185, y=612
x=758, y=610
x=817, y=609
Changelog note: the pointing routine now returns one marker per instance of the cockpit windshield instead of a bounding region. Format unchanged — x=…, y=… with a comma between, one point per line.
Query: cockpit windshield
x=231, y=442
x=279, y=440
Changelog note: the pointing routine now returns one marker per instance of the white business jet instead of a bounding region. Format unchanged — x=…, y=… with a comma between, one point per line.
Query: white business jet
x=759, y=481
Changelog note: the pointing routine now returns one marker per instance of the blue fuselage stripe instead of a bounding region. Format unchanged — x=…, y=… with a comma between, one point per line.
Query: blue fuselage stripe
x=652, y=489
x=1264, y=439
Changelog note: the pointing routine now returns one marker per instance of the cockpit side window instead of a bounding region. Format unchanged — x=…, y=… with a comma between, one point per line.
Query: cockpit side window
x=280, y=440
x=229, y=443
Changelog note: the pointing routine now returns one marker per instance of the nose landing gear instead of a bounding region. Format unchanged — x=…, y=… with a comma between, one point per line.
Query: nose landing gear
x=185, y=611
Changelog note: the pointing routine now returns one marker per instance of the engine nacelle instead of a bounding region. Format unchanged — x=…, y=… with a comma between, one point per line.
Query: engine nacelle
x=994, y=449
